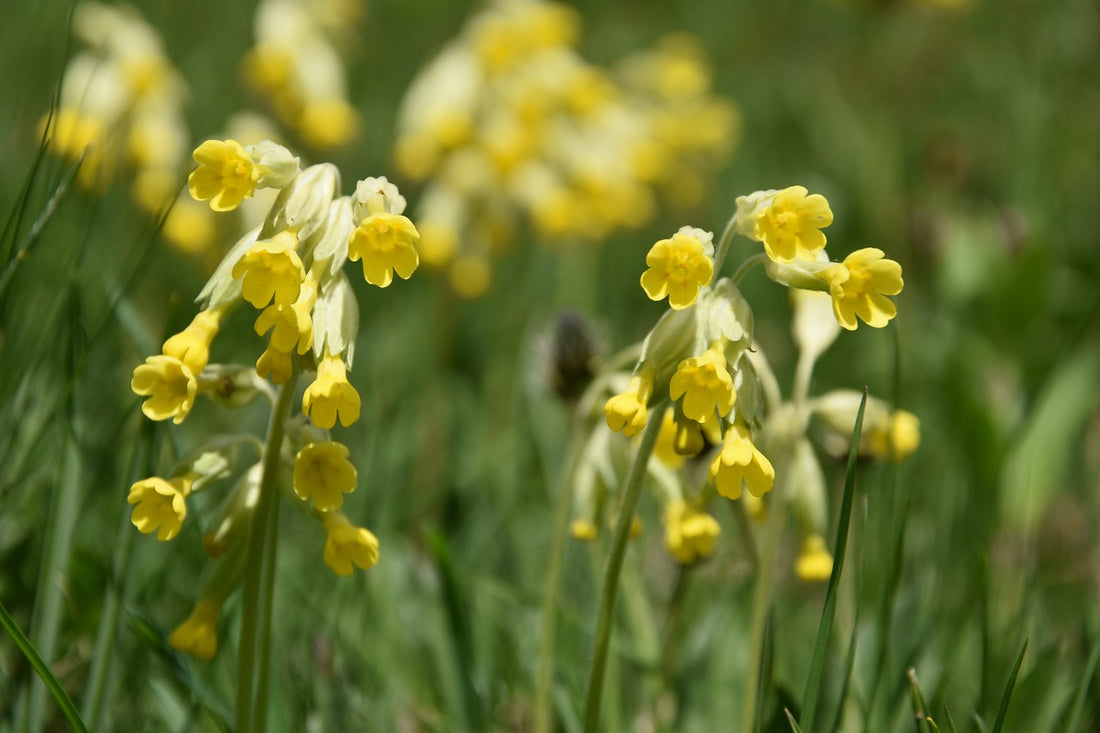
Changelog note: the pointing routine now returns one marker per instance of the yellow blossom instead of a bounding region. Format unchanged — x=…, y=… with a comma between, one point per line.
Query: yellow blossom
x=665, y=448
x=385, y=243
x=739, y=462
x=678, y=268
x=896, y=436
x=323, y=474
x=275, y=365
x=159, y=503
x=348, y=546
x=328, y=123
x=290, y=325
x=331, y=395
x=859, y=287
x=627, y=412
x=705, y=385
x=226, y=174
x=170, y=386
x=815, y=563
x=192, y=344
x=271, y=269
x=198, y=635
x=690, y=535
x=790, y=227
x=583, y=530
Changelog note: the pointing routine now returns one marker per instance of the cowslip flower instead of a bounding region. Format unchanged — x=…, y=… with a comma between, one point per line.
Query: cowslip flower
x=226, y=174
x=627, y=412
x=275, y=365
x=271, y=269
x=583, y=530
x=814, y=563
x=323, y=474
x=331, y=395
x=690, y=535
x=159, y=505
x=347, y=546
x=790, y=227
x=679, y=267
x=741, y=463
x=859, y=286
x=192, y=344
x=170, y=386
x=705, y=385
x=896, y=436
x=198, y=635
x=385, y=244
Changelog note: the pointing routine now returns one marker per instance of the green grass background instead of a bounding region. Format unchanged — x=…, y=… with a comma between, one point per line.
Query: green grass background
x=964, y=142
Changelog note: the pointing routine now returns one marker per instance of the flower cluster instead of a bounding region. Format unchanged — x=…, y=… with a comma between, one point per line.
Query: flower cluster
x=713, y=389
x=510, y=126
x=290, y=271
x=296, y=67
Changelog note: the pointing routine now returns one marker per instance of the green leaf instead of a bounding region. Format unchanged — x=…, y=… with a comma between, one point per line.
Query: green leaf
x=1008, y=690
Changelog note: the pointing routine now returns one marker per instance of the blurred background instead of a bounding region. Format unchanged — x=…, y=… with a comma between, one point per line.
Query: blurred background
x=959, y=137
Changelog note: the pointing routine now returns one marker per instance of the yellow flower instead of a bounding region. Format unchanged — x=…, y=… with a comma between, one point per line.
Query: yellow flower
x=790, y=227
x=290, y=325
x=170, y=386
x=192, y=344
x=275, y=365
x=815, y=563
x=704, y=384
x=896, y=437
x=160, y=503
x=690, y=535
x=198, y=635
x=323, y=474
x=739, y=462
x=678, y=268
x=583, y=530
x=328, y=123
x=859, y=287
x=385, y=244
x=330, y=395
x=627, y=412
x=348, y=546
x=271, y=269
x=665, y=448
x=226, y=174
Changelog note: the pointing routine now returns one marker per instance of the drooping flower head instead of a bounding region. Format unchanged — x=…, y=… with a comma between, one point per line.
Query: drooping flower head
x=740, y=462
x=815, y=563
x=198, y=635
x=226, y=174
x=159, y=505
x=896, y=436
x=705, y=385
x=679, y=267
x=627, y=412
x=170, y=386
x=385, y=244
x=790, y=227
x=690, y=535
x=323, y=474
x=271, y=269
x=859, y=287
x=331, y=395
x=192, y=344
x=347, y=546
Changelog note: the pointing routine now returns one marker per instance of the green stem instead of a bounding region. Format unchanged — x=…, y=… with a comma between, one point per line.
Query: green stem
x=744, y=267
x=560, y=530
x=256, y=606
x=632, y=492
x=724, y=243
x=761, y=602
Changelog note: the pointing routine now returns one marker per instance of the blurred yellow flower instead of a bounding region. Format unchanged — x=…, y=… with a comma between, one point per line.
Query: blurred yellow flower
x=705, y=385
x=739, y=462
x=275, y=365
x=159, y=505
x=690, y=535
x=859, y=287
x=226, y=174
x=385, y=244
x=271, y=269
x=815, y=563
x=627, y=412
x=896, y=437
x=192, y=344
x=323, y=474
x=170, y=386
x=331, y=395
x=678, y=268
x=348, y=546
x=583, y=530
x=790, y=227
x=198, y=635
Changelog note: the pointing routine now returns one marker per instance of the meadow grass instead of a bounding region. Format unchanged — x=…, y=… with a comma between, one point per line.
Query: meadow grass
x=960, y=139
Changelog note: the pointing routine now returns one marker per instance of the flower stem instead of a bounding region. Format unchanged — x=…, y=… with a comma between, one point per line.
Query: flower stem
x=259, y=583
x=724, y=243
x=632, y=491
x=743, y=269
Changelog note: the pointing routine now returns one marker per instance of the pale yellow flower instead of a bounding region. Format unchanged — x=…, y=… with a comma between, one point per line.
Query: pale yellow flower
x=790, y=227
x=385, y=244
x=198, y=635
x=739, y=463
x=323, y=474
x=347, y=546
x=859, y=287
x=170, y=386
x=690, y=535
x=271, y=270
x=627, y=412
x=331, y=395
x=159, y=505
x=226, y=174
x=705, y=385
x=678, y=268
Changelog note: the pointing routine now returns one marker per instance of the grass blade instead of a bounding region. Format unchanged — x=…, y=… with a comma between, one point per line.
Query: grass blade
x=792, y=721
x=43, y=670
x=828, y=613
x=1073, y=722
x=1008, y=690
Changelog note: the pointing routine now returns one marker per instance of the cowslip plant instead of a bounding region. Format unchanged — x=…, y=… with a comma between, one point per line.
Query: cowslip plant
x=703, y=414
x=289, y=270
